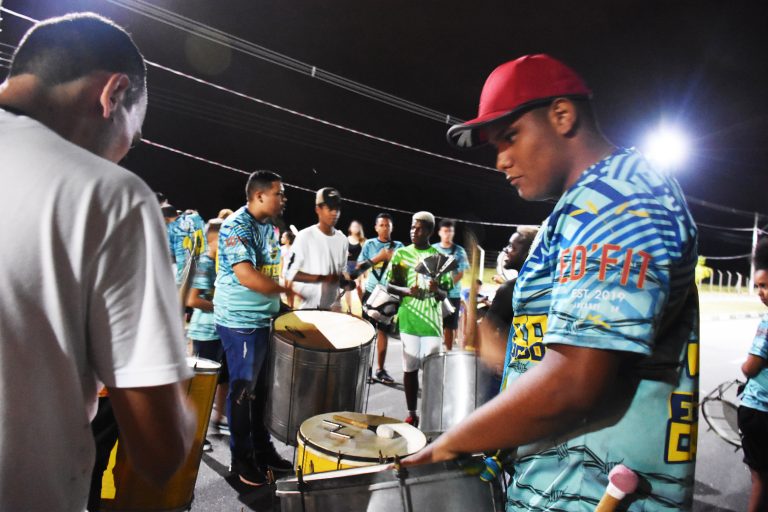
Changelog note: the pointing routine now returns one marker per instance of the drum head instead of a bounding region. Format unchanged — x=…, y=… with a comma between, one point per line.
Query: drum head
x=329, y=434
x=323, y=330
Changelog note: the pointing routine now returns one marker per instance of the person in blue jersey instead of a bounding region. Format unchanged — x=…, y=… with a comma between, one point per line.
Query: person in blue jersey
x=185, y=236
x=206, y=342
x=602, y=364
x=446, y=231
x=753, y=412
x=374, y=257
x=247, y=298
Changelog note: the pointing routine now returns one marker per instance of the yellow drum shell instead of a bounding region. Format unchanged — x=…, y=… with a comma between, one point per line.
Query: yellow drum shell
x=124, y=490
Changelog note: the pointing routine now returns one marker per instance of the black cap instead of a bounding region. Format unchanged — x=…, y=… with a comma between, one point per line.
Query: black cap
x=328, y=196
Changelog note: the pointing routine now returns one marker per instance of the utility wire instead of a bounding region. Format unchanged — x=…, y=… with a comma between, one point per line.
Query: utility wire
x=298, y=187
x=690, y=199
x=233, y=42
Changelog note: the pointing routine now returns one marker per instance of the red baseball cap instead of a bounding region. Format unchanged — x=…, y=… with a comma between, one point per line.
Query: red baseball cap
x=513, y=88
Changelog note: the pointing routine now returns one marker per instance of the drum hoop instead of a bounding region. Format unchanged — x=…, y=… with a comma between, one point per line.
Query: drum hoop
x=325, y=451
x=200, y=370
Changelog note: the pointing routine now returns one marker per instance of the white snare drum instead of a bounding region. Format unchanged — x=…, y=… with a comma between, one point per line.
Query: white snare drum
x=381, y=305
x=341, y=440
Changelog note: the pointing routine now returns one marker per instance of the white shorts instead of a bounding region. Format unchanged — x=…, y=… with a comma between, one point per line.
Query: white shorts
x=416, y=348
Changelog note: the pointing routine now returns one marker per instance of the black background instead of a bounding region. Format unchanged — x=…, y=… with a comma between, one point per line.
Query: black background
x=700, y=64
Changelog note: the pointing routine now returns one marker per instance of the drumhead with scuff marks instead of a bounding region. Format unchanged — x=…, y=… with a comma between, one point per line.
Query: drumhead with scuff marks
x=323, y=330
x=361, y=444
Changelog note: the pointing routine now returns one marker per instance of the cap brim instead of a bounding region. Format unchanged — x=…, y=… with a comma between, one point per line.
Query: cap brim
x=472, y=134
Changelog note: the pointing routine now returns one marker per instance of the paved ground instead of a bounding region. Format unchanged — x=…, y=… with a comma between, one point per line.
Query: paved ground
x=722, y=481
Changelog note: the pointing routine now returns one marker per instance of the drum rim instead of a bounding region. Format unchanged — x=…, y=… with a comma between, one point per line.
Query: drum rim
x=452, y=353
x=292, y=485
x=308, y=443
x=199, y=370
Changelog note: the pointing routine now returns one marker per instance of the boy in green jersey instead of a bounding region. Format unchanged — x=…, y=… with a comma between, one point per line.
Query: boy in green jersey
x=420, y=315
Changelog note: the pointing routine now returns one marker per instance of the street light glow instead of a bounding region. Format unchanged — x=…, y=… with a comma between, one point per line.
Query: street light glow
x=666, y=147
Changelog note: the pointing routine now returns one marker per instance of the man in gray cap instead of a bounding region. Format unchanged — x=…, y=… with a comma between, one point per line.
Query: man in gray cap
x=320, y=255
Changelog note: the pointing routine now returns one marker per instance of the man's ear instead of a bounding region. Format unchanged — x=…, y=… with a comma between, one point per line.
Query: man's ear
x=113, y=93
x=564, y=116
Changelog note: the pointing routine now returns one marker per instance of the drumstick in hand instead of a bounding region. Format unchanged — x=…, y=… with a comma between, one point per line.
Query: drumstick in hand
x=470, y=327
x=621, y=481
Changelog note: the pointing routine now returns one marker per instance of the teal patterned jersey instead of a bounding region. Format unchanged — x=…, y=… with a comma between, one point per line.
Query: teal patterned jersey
x=201, y=325
x=244, y=239
x=184, y=233
x=613, y=269
x=756, y=391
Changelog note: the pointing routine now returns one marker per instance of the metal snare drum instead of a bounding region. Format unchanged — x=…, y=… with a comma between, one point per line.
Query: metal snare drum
x=454, y=384
x=341, y=440
x=318, y=363
x=442, y=486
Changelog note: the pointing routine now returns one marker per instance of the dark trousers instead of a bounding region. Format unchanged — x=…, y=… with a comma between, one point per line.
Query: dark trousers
x=246, y=350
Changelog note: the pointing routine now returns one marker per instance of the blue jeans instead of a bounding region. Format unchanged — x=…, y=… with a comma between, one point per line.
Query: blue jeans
x=245, y=350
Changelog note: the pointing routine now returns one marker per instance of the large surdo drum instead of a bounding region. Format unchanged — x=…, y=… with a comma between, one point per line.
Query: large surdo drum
x=454, y=384
x=318, y=363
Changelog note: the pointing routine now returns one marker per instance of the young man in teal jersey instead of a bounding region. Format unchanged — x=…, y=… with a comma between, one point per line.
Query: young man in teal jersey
x=446, y=231
x=185, y=236
x=420, y=313
x=753, y=412
x=247, y=298
x=206, y=342
x=374, y=258
x=602, y=364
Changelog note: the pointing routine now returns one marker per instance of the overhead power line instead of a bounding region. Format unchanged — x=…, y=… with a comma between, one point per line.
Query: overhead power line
x=299, y=187
x=239, y=44
x=241, y=95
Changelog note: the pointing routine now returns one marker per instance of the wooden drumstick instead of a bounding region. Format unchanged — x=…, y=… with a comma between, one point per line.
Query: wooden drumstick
x=621, y=481
x=470, y=330
x=354, y=423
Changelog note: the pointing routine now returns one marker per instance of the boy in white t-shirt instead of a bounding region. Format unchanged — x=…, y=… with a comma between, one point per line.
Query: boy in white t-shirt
x=320, y=255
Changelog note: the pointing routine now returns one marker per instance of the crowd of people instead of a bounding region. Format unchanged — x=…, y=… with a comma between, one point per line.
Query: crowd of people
x=596, y=340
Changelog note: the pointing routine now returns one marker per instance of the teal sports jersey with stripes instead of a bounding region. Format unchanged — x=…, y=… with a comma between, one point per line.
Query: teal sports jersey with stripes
x=202, y=326
x=462, y=261
x=183, y=233
x=612, y=268
x=244, y=239
x=378, y=273
x=756, y=391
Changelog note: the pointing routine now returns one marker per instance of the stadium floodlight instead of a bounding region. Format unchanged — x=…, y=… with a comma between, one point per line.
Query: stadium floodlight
x=666, y=147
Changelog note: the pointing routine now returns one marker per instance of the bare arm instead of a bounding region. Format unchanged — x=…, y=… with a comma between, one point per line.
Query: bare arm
x=196, y=301
x=457, y=276
x=752, y=366
x=157, y=427
x=551, y=398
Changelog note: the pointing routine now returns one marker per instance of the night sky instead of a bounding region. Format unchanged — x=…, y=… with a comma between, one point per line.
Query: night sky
x=700, y=65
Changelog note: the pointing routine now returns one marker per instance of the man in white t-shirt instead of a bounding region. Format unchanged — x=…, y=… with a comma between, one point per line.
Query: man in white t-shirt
x=88, y=298
x=320, y=255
